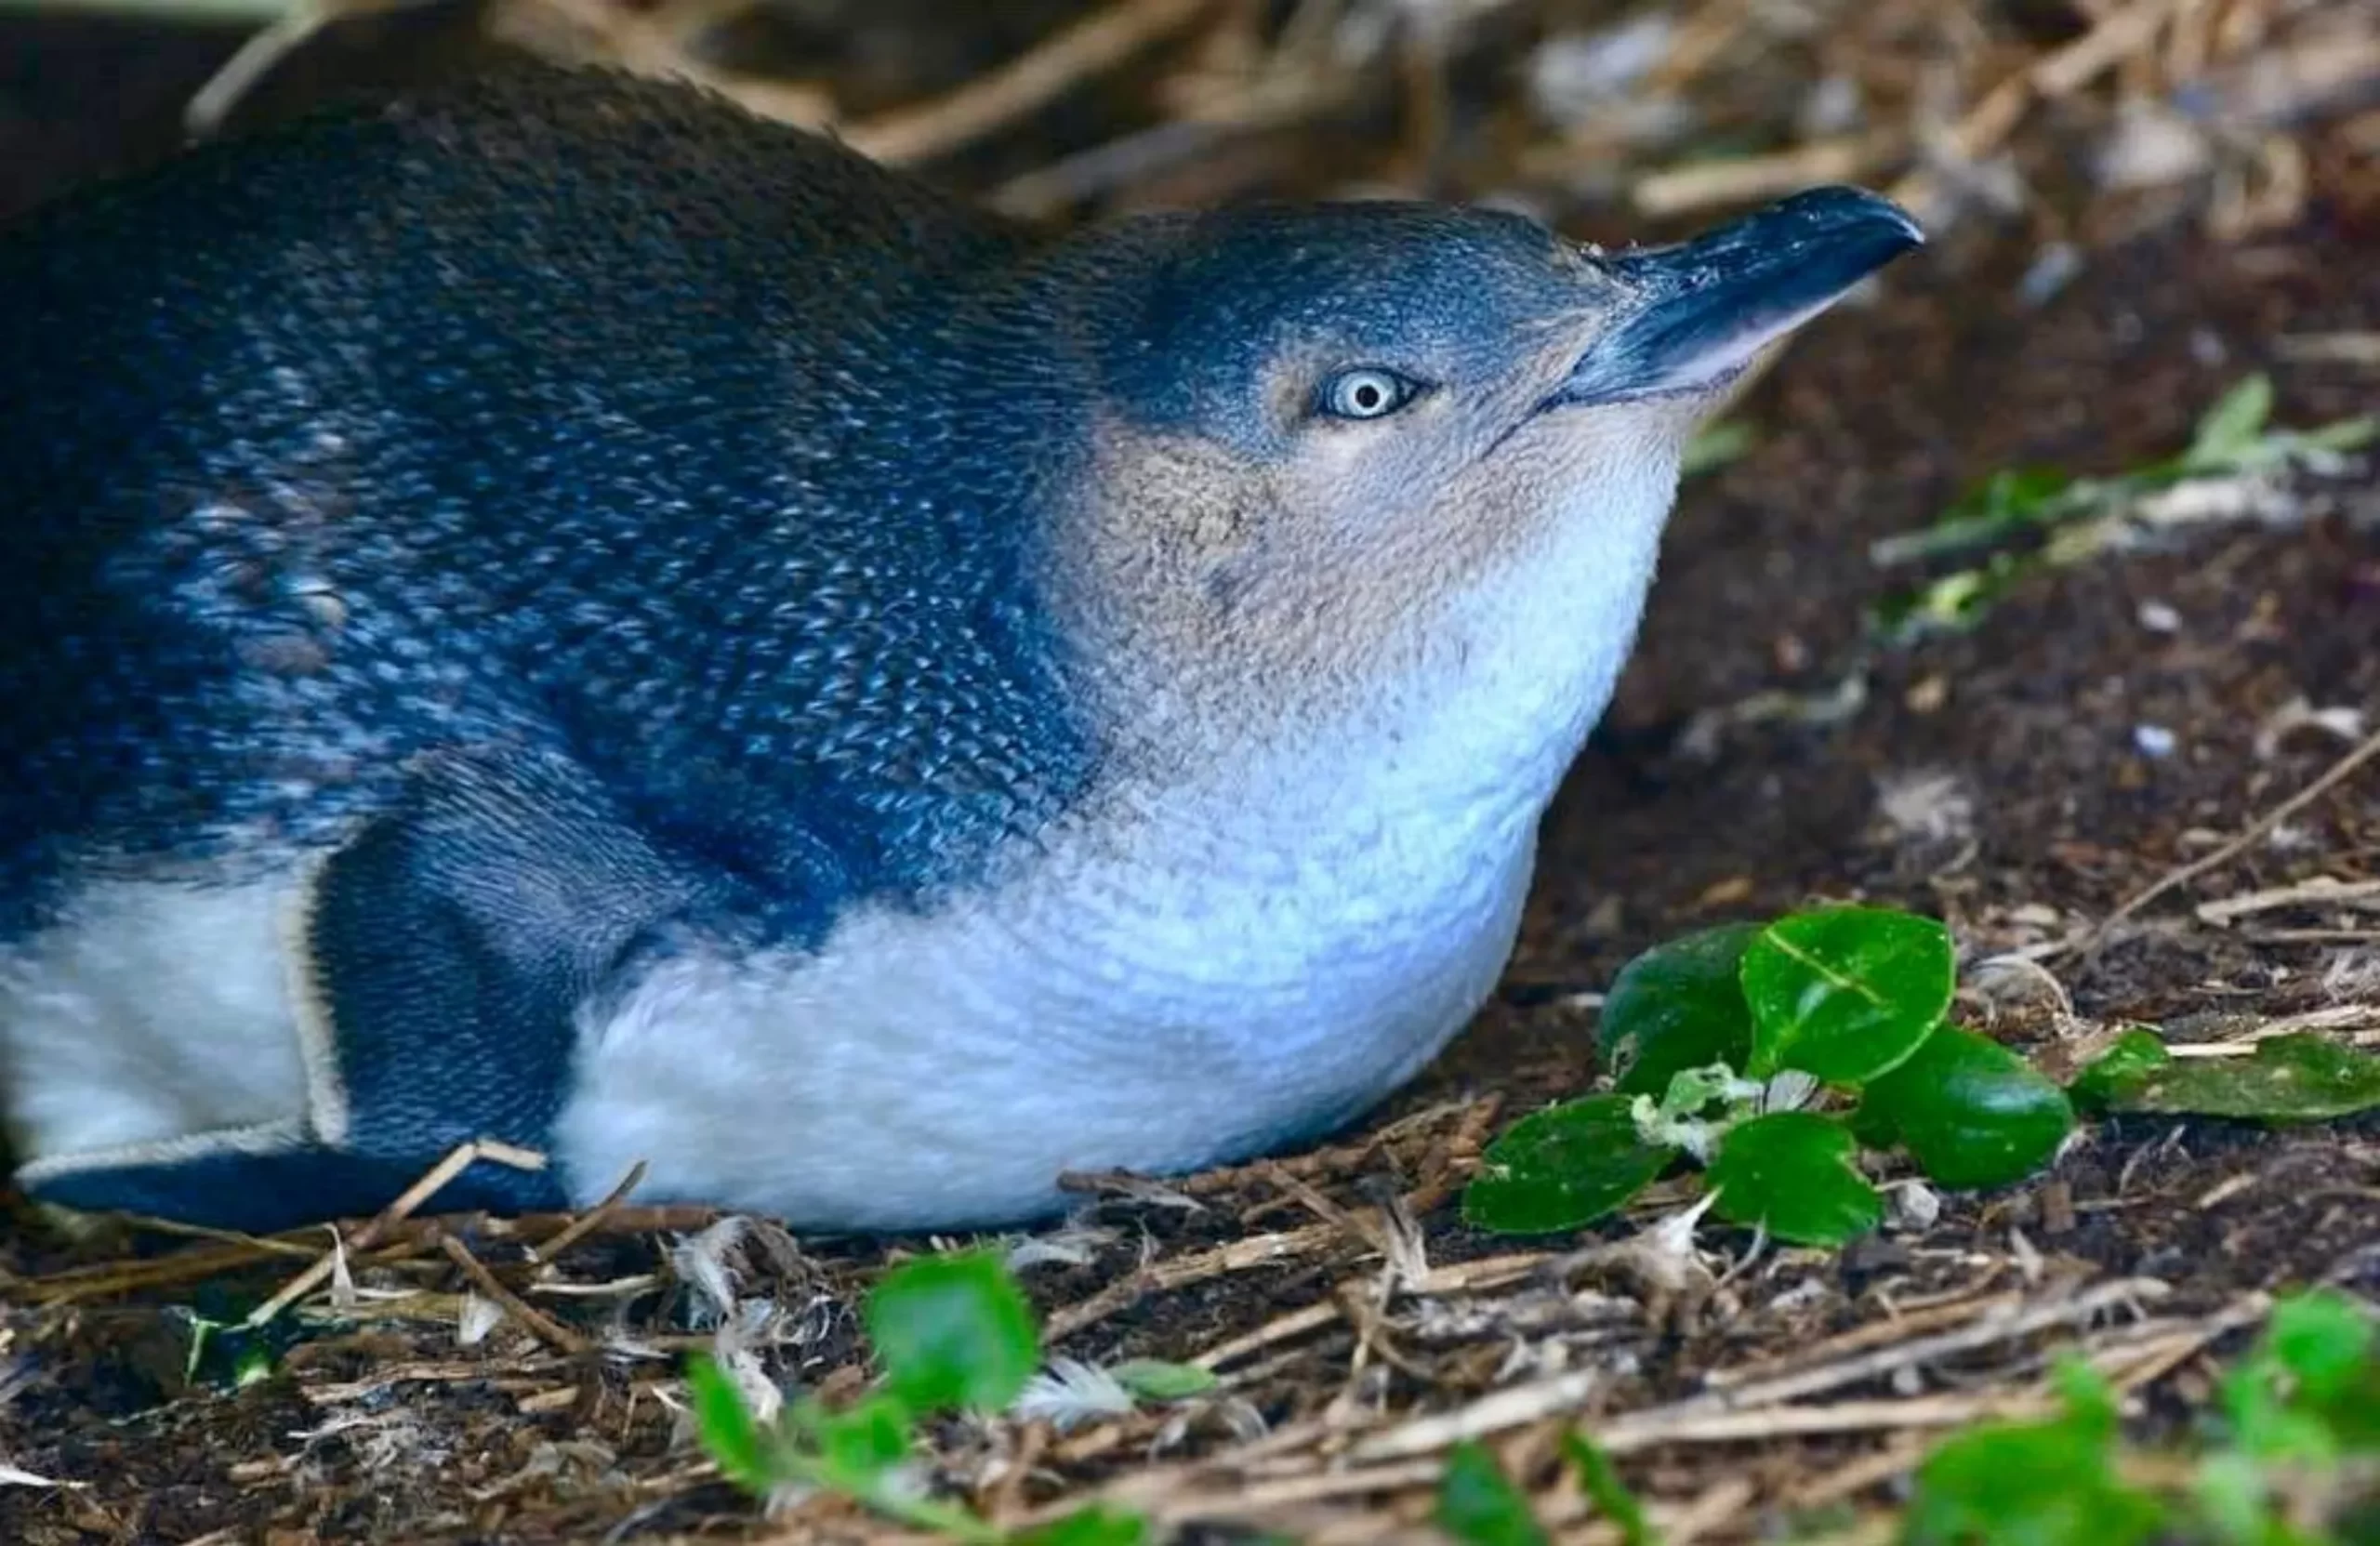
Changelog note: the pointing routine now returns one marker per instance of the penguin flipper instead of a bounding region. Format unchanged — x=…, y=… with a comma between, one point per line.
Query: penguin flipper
x=445, y=954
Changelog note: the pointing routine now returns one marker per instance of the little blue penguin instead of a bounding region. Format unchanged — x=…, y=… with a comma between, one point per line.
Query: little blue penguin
x=552, y=609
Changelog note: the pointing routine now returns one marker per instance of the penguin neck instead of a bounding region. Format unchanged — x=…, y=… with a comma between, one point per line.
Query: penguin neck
x=1467, y=720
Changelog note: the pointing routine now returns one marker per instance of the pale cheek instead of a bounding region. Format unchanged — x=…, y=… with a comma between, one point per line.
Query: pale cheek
x=1326, y=460
x=1353, y=487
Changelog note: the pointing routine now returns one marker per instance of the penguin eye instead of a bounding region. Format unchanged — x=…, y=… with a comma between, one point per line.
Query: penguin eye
x=1366, y=392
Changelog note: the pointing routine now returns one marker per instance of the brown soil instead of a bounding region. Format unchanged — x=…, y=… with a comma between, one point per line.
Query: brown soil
x=2048, y=817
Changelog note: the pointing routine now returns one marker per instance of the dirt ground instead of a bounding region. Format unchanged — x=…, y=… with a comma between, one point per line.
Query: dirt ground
x=2107, y=723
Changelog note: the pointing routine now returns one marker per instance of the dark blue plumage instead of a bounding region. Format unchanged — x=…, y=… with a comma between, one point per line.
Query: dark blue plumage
x=550, y=452
x=1437, y=293
x=566, y=446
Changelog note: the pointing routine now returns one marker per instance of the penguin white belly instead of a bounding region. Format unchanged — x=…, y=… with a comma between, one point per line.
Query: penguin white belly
x=1213, y=967
x=1151, y=1012
x=150, y=1011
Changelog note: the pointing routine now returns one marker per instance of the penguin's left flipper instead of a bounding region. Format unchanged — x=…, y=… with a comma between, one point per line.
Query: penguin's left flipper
x=445, y=954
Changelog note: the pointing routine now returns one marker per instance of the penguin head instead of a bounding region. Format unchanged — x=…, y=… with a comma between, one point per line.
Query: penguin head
x=1338, y=445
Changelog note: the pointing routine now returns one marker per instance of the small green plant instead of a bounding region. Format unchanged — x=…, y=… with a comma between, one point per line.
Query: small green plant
x=1479, y=1506
x=2295, y=1451
x=2076, y=517
x=952, y=1333
x=2034, y=1483
x=1722, y=1038
x=2291, y=1457
x=2296, y=1077
x=1600, y=1481
x=229, y=1354
x=229, y=1350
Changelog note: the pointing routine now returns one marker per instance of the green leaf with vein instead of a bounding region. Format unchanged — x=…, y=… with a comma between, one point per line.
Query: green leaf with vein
x=1791, y=1173
x=1563, y=1168
x=1676, y=1007
x=1845, y=994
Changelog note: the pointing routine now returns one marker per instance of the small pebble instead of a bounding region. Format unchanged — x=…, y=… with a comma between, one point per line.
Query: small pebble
x=2153, y=740
x=1916, y=1206
x=2157, y=618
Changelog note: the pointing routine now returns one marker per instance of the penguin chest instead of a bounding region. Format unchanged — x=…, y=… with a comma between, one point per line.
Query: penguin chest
x=1158, y=1007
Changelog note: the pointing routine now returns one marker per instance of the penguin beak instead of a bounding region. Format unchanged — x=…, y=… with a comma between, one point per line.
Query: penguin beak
x=1703, y=308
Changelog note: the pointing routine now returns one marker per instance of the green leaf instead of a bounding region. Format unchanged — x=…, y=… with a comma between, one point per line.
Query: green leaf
x=863, y=1440
x=2006, y=502
x=2008, y=498
x=2229, y=1489
x=1600, y=1481
x=2299, y=1078
x=2047, y=1484
x=1678, y=1005
x=1792, y=1172
x=1971, y=1112
x=1956, y=602
x=729, y=1433
x=1478, y=1506
x=2310, y=1389
x=2325, y=1340
x=2091, y=1407
x=953, y=1331
x=2347, y=434
x=1872, y=1125
x=232, y=1356
x=1155, y=1379
x=2233, y=426
x=2131, y=1059
x=1845, y=994
x=1096, y=1525
x=1563, y=1168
